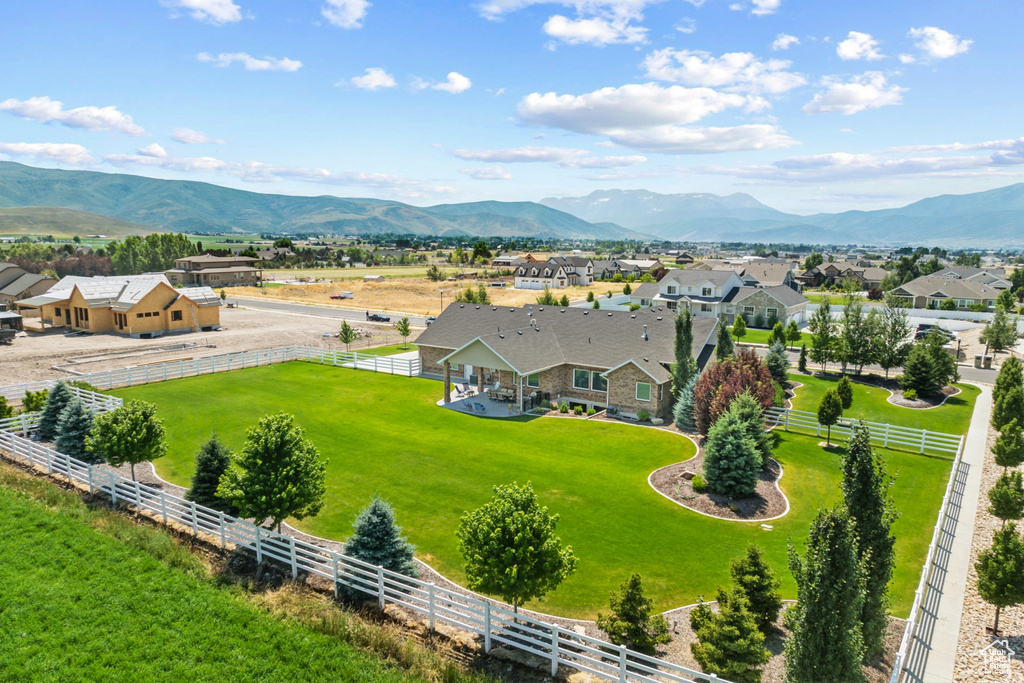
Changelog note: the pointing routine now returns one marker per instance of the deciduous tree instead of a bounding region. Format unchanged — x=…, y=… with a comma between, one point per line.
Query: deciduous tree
x=892, y=338
x=724, y=381
x=778, y=334
x=1008, y=448
x=829, y=411
x=347, y=335
x=1011, y=374
x=630, y=622
x=1001, y=571
x=402, y=326
x=129, y=434
x=793, y=334
x=845, y=390
x=739, y=328
x=823, y=335
x=1009, y=407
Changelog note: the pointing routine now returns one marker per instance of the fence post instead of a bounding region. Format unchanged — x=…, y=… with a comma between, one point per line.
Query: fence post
x=487, y=627
x=554, y=650
x=90, y=480
x=886, y=442
x=924, y=436
x=622, y=664
x=295, y=561
x=334, y=562
x=259, y=547
x=223, y=541
x=163, y=506
x=195, y=526
x=380, y=586
x=430, y=604
x=787, y=421
x=113, y=489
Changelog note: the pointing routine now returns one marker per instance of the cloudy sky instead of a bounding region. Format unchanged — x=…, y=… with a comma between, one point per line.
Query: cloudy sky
x=807, y=105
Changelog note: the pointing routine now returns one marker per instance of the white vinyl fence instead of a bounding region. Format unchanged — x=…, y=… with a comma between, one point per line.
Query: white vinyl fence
x=563, y=647
x=26, y=422
x=885, y=435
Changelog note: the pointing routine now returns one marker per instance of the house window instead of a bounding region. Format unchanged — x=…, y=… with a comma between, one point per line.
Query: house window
x=56, y=312
x=705, y=308
x=175, y=316
x=643, y=391
x=454, y=366
x=772, y=313
x=533, y=380
x=138, y=315
x=705, y=291
x=581, y=379
x=598, y=382
x=645, y=302
x=748, y=310
x=671, y=289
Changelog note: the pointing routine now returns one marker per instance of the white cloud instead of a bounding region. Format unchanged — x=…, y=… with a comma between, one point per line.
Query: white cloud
x=607, y=162
x=374, y=79
x=345, y=13
x=763, y=7
x=867, y=91
x=784, y=41
x=739, y=71
x=226, y=59
x=65, y=153
x=939, y=44
x=455, y=83
x=907, y=59
x=686, y=25
x=487, y=173
x=858, y=46
x=697, y=140
x=152, y=150
x=599, y=31
x=566, y=157
x=215, y=12
x=187, y=136
x=46, y=110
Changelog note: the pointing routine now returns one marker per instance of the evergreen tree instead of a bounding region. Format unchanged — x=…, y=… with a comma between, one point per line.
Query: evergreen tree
x=1001, y=571
x=755, y=578
x=865, y=488
x=1011, y=374
x=724, y=345
x=918, y=373
x=564, y=301
x=1007, y=497
x=1009, y=407
x=630, y=622
x=73, y=427
x=826, y=642
x=6, y=410
x=682, y=414
x=751, y=414
x=739, y=328
x=685, y=365
x=891, y=345
x=729, y=643
x=212, y=460
x=778, y=334
x=829, y=411
x=944, y=368
x=793, y=333
x=731, y=461
x=1009, y=445
x=802, y=363
x=845, y=390
x=778, y=362
x=55, y=403
x=378, y=540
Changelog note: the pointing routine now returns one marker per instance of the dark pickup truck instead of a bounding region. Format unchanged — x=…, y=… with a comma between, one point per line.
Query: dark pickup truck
x=377, y=317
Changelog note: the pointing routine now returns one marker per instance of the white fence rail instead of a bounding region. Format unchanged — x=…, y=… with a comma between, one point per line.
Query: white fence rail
x=884, y=435
x=26, y=422
x=496, y=624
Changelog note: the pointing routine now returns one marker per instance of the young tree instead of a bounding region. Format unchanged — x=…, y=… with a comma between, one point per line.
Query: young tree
x=347, y=335
x=597, y=304
x=845, y=390
x=378, y=540
x=548, y=299
x=751, y=414
x=918, y=372
x=944, y=367
x=630, y=622
x=778, y=362
x=892, y=341
x=826, y=642
x=732, y=463
x=724, y=345
x=739, y=328
x=802, y=363
x=73, y=429
x=402, y=326
x=1008, y=448
x=1007, y=497
x=865, y=488
x=685, y=366
x=1001, y=571
x=35, y=401
x=58, y=399
x=1000, y=333
x=823, y=335
x=682, y=414
x=729, y=643
x=829, y=411
x=1009, y=407
x=564, y=302
x=793, y=334
x=755, y=578
x=278, y=473
x=778, y=334
x=130, y=434
x=1006, y=301
x=854, y=343
x=6, y=410
x=590, y=296
x=510, y=546
x=212, y=460
x=1011, y=374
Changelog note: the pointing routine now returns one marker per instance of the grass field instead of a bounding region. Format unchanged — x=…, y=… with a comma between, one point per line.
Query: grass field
x=387, y=350
x=385, y=435
x=127, y=603
x=869, y=403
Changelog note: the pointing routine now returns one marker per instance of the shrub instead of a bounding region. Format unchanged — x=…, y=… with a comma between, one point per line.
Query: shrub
x=553, y=406
x=35, y=401
x=698, y=483
x=564, y=301
x=630, y=622
x=729, y=643
x=634, y=307
x=590, y=296
x=591, y=411
x=643, y=415
x=577, y=410
x=845, y=390
x=759, y=321
x=757, y=581
x=6, y=411
x=910, y=395
x=564, y=408
x=731, y=460
x=724, y=381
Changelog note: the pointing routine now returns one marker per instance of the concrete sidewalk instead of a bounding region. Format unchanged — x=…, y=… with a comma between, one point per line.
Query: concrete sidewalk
x=933, y=649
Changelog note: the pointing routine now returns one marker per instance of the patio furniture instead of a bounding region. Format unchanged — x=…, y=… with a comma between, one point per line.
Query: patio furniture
x=480, y=407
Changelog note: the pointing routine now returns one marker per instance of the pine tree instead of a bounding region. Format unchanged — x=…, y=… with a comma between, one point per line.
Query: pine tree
x=731, y=461
x=826, y=642
x=729, y=643
x=685, y=365
x=724, y=345
x=829, y=411
x=1001, y=571
x=1009, y=445
x=865, y=488
x=682, y=414
x=1011, y=374
x=751, y=414
x=802, y=363
x=378, y=540
x=564, y=301
x=918, y=372
x=823, y=331
x=755, y=578
x=212, y=460
x=73, y=427
x=56, y=402
x=778, y=363
x=845, y=390
x=630, y=622
x=1007, y=497
x=1009, y=407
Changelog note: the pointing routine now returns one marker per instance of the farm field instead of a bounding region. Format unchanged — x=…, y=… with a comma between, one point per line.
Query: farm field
x=79, y=600
x=385, y=435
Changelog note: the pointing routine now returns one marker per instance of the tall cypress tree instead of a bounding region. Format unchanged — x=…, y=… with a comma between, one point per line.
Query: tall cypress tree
x=685, y=366
x=212, y=460
x=865, y=488
x=56, y=402
x=724, y=345
x=826, y=642
x=74, y=425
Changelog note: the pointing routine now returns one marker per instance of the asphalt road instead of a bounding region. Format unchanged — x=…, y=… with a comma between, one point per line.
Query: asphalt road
x=320, y=311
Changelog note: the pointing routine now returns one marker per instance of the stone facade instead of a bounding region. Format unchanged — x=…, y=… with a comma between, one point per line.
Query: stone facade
x=622, y=393
x=761, y=302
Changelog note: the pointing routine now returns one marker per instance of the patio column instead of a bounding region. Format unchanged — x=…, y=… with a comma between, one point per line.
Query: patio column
x=479, y=380
x=447, y=382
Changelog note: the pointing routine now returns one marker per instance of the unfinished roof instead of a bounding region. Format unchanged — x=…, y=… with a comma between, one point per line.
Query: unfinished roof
x=117, y=291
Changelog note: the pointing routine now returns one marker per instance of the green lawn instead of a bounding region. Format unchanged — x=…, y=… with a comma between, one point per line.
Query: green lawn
x=869, y=403
x=755, y=336
x=79, y=605
x=387, y=350
x=384, y=434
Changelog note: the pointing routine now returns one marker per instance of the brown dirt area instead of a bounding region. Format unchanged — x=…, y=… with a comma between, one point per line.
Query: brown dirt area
x=767, y=502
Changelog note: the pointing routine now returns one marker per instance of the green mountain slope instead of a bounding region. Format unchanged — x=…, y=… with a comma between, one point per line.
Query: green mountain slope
x=46, y=220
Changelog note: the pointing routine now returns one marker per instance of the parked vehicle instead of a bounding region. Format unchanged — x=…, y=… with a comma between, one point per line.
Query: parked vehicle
x=343, y=295
x=924, y=329
x=377, y=317
x=431, y=319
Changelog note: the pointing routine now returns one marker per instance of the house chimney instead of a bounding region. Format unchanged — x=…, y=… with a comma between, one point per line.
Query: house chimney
x=645, y=333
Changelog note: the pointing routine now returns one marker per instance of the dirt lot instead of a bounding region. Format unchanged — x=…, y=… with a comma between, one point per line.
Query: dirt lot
x=32, y=357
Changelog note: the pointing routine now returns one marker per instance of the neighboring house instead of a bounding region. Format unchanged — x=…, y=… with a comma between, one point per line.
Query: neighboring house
x=274, y=253
x=722, y=294
x=605, y=270
x=585, y=357
x=558, y=272
x=868, y=277
x=508, y=261
x=768, y=275
x=993, y=277
x=930, y=291
x=373, y=278
x=140, y=306
x=17, y=283
x=684, y=259
x=215, y=271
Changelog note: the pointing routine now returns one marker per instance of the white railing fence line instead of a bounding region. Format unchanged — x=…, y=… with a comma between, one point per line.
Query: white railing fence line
x=885, y=435
x=495, y=623
x=26, y=422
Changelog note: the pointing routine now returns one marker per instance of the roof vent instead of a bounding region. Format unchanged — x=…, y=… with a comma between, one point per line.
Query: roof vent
x=609, y=315
x=529, y=311
x=633, y=316
x=519, y=332
x=659, y=318
x=539, y=309
x=563, y=310
x=494, y=308
x=501, y=336
x=478, y=308
x=586, y=312
x=462, y=305
x=645, y=337
x=511, y=310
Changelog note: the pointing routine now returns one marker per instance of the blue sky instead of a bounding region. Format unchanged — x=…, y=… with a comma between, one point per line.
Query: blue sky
x=808, y=106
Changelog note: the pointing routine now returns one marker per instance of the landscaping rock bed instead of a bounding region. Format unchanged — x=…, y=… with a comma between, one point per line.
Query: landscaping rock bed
x=897, y=398
x=768, y=501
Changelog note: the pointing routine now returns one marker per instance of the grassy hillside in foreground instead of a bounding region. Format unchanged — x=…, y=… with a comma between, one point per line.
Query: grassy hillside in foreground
x=48, y=220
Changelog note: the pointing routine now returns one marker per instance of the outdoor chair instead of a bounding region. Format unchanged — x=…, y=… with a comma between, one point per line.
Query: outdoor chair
x=480, y=407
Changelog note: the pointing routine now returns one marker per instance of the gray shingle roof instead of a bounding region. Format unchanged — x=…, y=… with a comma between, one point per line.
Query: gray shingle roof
x=22, y=283
x=695, y=277
x=781, y=293
x=951, y=287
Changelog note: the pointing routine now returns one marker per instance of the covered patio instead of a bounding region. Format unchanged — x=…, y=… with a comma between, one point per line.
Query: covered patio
x=498, y=388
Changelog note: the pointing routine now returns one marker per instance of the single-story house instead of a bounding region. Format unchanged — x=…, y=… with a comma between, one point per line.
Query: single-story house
x=993, y=277
x=579, y=356
x=373, y=278
x=140, y=306
x=17, y=283
x=508, y=261
x=931, y=291
x=215, y=271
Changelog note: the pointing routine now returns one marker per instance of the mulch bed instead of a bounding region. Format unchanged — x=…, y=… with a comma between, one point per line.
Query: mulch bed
x=933, y=401
x=767, y=502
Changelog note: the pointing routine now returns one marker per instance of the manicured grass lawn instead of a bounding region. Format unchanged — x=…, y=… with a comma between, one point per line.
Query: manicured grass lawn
x=869, y=403
x=79, y=605
x=755, y=336
x=387, y=350
x=385, y=435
